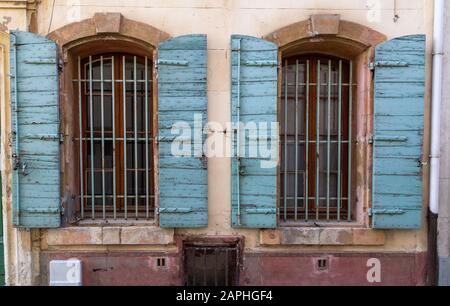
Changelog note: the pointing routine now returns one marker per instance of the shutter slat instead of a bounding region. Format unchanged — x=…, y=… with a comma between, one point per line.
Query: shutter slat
x=398, y=132
x=253, y=100
x=35, y=130
x=182, y=93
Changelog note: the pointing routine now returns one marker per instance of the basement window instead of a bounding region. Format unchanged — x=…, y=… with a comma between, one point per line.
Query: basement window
x=211, y=265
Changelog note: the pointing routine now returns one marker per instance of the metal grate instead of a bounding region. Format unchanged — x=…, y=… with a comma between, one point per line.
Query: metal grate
x=211, y=265
x=115, y=137
x=316, y=140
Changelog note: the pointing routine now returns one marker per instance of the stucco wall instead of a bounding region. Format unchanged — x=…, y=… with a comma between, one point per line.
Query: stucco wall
x=219, y=19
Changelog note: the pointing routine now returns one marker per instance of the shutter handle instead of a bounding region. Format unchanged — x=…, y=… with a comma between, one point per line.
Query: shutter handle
x=241, y=170
x=24, y=167
x=16, y=162
x=204, y=161
x=18, y=165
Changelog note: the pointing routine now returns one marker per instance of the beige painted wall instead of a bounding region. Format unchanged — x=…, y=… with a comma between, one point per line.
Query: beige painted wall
x=221, y=18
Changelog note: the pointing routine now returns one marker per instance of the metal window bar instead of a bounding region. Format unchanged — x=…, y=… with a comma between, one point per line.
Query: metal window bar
x=147, y=182
x=331, y=85
x=91, y=120
x=318, y=140
x=296, y=139
x=80, y=122
x=125, y=160
x=92, y=134
x=285, y=135
x=102, y=111
x=113, y=106
x=350, y=113
x=136, y=178
x=306, y=191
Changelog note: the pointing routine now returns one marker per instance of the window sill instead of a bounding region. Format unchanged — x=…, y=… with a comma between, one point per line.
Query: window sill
x=320, y=225
x=109, y=235
x=116, y=223
x=309, y=236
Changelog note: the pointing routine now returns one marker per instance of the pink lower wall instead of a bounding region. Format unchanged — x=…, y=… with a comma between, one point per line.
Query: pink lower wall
x=262, y=268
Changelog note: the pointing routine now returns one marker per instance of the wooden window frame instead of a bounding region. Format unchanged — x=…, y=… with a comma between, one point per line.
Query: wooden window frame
x=69, y=125
x=362, y=122
x=118, y=101
x=312, y=210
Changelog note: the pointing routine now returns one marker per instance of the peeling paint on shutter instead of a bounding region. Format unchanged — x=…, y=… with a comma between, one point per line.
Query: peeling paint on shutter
x=35, y=131
x=253, y=99
x=398, y=131
x=182, y=95
x=4, y=96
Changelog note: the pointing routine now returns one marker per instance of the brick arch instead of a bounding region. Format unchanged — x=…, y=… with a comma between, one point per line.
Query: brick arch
x=107, y=26
x=322, y=28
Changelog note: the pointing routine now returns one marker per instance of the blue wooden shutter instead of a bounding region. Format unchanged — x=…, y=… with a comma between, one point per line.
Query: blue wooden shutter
x=398, y=131
x=253, y=99
x=182, y=94
x=35, y=135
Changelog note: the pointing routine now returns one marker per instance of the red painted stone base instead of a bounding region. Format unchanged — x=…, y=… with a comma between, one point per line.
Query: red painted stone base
x=408, y=269
x=121, y=268
x=140, y=268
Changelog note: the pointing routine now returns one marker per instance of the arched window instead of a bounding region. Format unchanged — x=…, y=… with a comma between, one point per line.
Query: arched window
x=115, y=119
x=316, y=138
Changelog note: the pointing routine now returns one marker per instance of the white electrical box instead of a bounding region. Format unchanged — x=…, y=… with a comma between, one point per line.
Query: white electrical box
x=65, y=272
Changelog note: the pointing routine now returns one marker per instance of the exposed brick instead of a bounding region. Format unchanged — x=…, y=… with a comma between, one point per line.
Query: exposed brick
x=75, y=236
x=146, y=235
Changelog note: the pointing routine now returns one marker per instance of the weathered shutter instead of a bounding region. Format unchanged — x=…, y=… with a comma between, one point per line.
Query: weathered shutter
x=4, y=94
x=398, y=131
x=253, y=99
x=182, y=95
x=35, y=135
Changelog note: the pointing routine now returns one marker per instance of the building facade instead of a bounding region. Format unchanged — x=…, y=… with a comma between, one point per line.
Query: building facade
x=122, y=145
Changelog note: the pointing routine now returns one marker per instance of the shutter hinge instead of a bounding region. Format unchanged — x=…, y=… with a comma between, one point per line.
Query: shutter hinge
x=387, y=64
x=387, y=211
x=60, y=65
x=172, y=62
x=61, y=137
x=169, y=210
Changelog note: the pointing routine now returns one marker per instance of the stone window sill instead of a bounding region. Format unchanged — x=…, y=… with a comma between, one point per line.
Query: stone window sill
x=305, y=236
x=126, y=235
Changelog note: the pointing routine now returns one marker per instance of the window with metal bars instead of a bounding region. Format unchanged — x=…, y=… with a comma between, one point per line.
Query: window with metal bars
x=316, y=140
x=115, y=137
x=211, y=265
